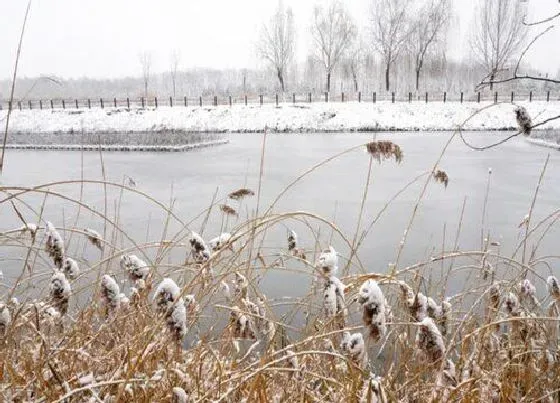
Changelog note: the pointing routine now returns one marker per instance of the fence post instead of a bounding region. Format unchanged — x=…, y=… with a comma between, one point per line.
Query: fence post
x=185, y=100
x=277, y=100
x=115, y=102
x=374, y=97
x=444, y=96
x=530, y=96
x=326, y=96
x=52, y=105
x=171, y=102
x=548, y=96
x=342, y=97
x=478, y=97
x=261, y=99
x=245, y=99
x=496, y=97
x=200, y=100
x=142, y=100
x=89, y=103
x=512, y=97
x=127, y=103
x=63, y=105
x=101, y=102
x=309, y=97
x=359, y=96
x=40, y=104
x=155, y=102
x=230, y=101
x=30, y=106
x=77, y=107
x=409, y=96
x=426, y=96
x=294, y=98
x=215, y=100
x=461, y=96
x=393, y=97
x=19, y=105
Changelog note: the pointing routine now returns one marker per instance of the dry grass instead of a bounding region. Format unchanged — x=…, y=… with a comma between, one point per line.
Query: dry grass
x=217, y=337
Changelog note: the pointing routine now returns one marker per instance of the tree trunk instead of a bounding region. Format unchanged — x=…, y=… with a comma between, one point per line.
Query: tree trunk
x=417, y=79
x=387, y=71
x=355, y=78
x=146, y=88
x=280, y=78
x=329, y=81
x=492, y=76
x=174, y=93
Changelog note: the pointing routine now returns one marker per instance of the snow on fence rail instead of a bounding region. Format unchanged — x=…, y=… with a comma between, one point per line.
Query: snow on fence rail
x=214, y=100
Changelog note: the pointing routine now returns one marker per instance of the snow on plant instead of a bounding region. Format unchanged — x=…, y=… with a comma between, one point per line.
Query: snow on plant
x=384, y=149
x=354, y=347
x=553, y=287
x=417, y=303
x=333, y=298
x=328, y=262
x=242, y=325
x=110, y=293
x=60, y=292
x=527, y=294
x=373, y=391
x=220, y=241
x=523, y=120
x=240, y=286
x=199, y=250
x=134, y=267
x=170, y=303
x=429, y=340
x=292, y=240
x=178, y=395
x=29, y=227
x=5, y=319
x=374, y=309
x=70, y=268
x=54, y=245
x=512, y=305
x=94, y=237
x=226, y=292
x=445, y=318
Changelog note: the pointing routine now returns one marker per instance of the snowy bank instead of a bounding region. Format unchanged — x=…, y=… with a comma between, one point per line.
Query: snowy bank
x=303, y=117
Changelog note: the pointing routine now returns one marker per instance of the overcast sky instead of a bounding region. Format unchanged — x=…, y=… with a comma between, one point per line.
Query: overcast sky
x=103, y=38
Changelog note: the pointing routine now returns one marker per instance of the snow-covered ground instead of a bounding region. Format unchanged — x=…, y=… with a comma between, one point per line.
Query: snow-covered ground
x=303, y=117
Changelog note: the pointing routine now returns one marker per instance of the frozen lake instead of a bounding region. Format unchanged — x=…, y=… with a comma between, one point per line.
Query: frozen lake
x=334, y=192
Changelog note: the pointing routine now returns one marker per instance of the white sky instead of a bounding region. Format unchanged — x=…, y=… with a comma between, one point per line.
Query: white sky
x=103, y=38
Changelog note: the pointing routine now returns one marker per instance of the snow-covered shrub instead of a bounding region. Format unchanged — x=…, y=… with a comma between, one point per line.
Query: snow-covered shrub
x=110, y=293
x=429, y=340
x=523, y=120
x=54, y=245
x=70, y=268
x=354, y=347
x=199, y=249
x=328, y=262
x=333, y=297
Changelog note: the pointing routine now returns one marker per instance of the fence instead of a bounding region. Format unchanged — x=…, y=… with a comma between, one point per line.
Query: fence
x=277, y=99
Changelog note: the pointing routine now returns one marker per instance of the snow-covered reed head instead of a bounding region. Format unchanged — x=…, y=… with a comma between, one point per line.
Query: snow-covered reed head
x=384, y=149
x=328, y=261
x=5, y=318
x=523, y=120
x=373, y=391
x=240, y=285
x=70, y=268
x=512, y=304
x=170, y=303
x=199, y=250
x=31, y=228
x=220, y=241
x=553, y=287
x=374, y=309
x=178, y=395
x=333, y=297
x=135, y=268
x=242, y=325
x=355, y=348
x=54, y=245
x=60, y=291
x=110, y=293
x=94, y=237
x=417, y=304
x=429, y=340
x=292, y=240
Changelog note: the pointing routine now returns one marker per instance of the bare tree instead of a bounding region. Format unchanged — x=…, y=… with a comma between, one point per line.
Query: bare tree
x=499, y=34
x=276, y=44
x=146, y=63
x=333, y=32
x=389, y=31
x=174, y=61
x=427, y=27
x=353, y=63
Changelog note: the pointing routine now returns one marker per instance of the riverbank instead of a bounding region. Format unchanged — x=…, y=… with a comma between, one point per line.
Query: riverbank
x=287, y=117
